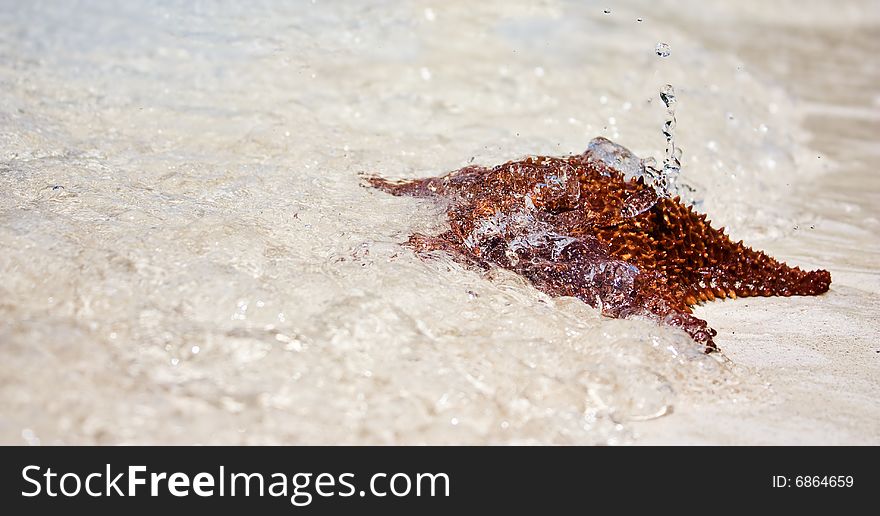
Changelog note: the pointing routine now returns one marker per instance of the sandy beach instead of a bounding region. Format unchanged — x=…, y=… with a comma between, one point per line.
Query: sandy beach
x=189, y=256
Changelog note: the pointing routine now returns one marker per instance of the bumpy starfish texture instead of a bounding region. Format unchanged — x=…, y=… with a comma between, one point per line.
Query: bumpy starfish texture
x=579, y=226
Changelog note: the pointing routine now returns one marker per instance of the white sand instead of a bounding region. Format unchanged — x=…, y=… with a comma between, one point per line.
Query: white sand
x=187, y=255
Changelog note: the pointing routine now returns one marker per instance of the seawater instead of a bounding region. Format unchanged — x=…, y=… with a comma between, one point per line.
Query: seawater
x=189, y=254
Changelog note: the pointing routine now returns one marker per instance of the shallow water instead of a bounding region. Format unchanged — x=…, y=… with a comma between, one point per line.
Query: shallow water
x=189, y=255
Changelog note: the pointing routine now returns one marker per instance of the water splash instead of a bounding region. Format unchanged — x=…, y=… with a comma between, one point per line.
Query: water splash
x=665, y=179
x=616, y=157
x=672, y=161
x=662, y=49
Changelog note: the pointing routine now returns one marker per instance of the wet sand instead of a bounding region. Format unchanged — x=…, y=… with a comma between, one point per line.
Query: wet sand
x=188, y=254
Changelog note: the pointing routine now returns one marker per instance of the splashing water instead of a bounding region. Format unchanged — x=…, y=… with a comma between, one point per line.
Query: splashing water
x=672, y=161
x=665, y=179
x=662, y=49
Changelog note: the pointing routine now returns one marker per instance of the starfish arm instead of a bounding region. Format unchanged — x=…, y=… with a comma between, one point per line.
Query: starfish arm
x=654, y=299
x=745, y=272
x=705, y=264
x=450, y=184
x=427, y=187
x=583, y=269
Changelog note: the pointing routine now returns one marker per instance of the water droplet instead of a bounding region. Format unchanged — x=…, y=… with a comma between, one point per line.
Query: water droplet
x=607, y=11
x=195, y=350
x=539, y=72
x=662, y=49
x=429, y=14
x=667, y=95
x=640, y=20
x=665, y=180
x=426, y=74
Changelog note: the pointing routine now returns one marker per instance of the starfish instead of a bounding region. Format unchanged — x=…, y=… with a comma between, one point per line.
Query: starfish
x=591, y=226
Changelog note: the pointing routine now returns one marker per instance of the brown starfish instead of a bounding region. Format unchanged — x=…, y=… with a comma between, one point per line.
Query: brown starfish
x=579, y=226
